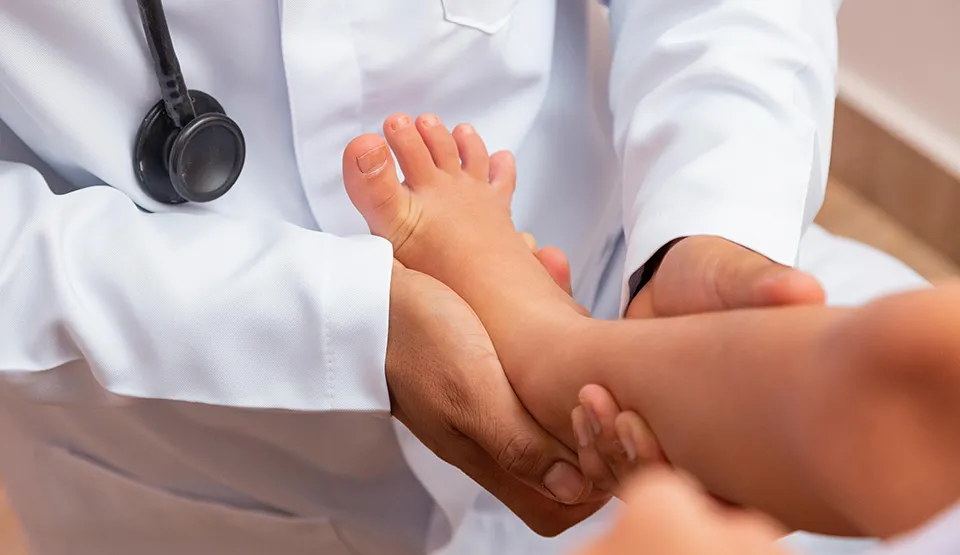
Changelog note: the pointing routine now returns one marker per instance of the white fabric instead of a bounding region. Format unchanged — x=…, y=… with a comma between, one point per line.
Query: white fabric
x=223, y=363
x=940, y=536
x=723, y=117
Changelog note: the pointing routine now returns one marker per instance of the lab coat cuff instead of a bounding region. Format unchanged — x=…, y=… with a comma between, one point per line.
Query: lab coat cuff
x=773, y=233
x=355, y=324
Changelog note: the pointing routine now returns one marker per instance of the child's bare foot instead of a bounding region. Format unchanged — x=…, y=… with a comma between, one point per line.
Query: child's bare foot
x=450, y=219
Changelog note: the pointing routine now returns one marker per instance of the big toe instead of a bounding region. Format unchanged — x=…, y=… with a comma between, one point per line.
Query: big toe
x=370, y=177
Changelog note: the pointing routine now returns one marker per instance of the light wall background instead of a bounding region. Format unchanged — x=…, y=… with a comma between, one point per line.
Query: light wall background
x=900, y=64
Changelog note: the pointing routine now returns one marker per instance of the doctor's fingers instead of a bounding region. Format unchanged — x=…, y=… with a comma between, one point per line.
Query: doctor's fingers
x=542, y=514
x=554, y=261
x=534, y=475
x=502, y=427
x=536, y=509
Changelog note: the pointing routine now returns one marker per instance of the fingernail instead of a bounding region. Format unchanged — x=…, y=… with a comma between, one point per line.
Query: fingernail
x=372, y=160
x=594, y=421
x=582, y=430
x=564, y=482
x=629, y=447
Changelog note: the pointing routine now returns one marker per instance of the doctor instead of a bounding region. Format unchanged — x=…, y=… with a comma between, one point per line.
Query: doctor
x=217, y=376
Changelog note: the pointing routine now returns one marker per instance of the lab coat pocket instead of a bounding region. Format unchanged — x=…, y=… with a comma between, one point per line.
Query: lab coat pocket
x=489, y=16
x=89, y=508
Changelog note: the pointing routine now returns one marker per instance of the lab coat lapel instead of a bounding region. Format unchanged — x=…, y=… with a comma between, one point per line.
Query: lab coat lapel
x=325, y=96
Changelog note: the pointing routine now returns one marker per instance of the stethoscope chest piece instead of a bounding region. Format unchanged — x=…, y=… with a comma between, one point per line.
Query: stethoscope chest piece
x=197, y=163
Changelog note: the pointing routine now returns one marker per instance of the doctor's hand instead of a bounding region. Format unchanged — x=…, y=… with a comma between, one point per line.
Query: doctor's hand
x=706, y=273
x=448, y=388
x=695, y=275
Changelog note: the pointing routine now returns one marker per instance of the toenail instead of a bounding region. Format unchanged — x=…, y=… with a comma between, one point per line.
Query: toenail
x=430, y=120
x=466, y=128
x=399, y=123
x=372, y=160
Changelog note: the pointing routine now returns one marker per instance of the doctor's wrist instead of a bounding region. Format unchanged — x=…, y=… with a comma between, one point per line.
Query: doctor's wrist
x=434, y=340
x=399, y=330
x=643, y=275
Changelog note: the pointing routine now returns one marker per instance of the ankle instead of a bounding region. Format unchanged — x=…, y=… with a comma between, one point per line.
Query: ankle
x=546, y=369
x=546, y=349
x=543, y=321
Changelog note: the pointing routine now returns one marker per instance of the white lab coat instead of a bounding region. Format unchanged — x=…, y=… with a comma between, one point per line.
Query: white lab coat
x=939, y=536
x=209, y=378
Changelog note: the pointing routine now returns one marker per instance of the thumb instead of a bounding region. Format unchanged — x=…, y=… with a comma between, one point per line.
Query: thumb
x=501, y=426
x=541, y=513
x=705, y=274
x=745, y=279
x=530, y=454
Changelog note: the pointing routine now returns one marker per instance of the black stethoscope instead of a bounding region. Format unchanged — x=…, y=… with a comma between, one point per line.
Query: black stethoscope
x=187, y=149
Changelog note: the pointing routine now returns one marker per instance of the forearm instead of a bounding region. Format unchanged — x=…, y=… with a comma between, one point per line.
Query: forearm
x=723, y=116
x=202, y=309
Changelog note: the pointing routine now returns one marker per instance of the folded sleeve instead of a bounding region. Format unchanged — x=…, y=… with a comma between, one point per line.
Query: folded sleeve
x=198, y=308
x=723, y=117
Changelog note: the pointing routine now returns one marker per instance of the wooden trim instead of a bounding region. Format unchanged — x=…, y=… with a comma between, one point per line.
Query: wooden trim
x=898, y=178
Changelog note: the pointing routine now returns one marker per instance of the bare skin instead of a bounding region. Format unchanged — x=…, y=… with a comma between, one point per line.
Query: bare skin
x=736, y=398
x=666, y=514
x=426, y=220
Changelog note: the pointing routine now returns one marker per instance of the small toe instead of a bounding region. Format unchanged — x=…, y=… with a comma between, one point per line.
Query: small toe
x=473, y=152
x=370, y=177
x=439, y=142
x=503, y=175
x=412, y=153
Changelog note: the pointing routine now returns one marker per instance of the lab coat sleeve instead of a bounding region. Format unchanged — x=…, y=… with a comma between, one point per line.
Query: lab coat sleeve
x=723, y=118
x=198, y=308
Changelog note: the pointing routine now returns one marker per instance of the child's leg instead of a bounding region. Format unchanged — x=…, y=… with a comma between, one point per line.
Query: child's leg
x=729, y=395
x=723, y=393
x=879, y=426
